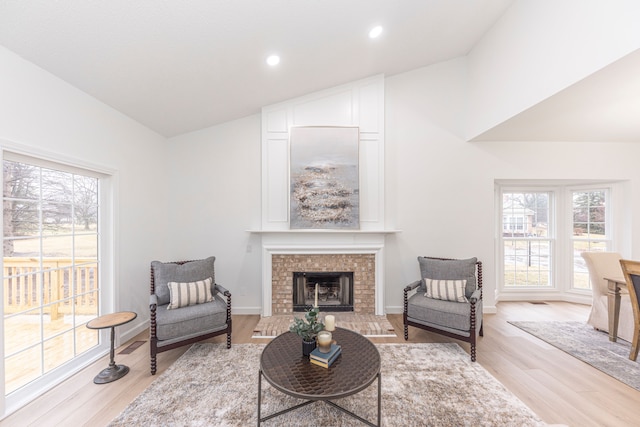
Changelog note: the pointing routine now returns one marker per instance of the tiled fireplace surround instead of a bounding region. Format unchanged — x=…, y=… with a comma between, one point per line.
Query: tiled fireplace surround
x=359, y=251
x=284, y=265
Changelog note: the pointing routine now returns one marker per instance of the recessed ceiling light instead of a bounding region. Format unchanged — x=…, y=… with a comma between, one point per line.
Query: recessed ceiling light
x=273, y=60
x=375, y=32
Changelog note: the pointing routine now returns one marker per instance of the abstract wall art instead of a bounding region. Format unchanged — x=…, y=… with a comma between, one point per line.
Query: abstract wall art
x=324, y=178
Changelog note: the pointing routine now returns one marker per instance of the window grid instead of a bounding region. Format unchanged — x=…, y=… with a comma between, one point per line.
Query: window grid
x=50, y=249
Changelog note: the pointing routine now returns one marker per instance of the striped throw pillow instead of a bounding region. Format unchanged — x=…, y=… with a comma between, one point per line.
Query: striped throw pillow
x=448, y=290
x=190, y=293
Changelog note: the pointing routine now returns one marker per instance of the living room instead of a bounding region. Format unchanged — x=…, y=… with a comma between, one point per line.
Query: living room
x=539, y=98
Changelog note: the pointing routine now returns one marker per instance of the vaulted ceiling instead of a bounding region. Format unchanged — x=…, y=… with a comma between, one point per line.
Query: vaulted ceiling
x=177, y=66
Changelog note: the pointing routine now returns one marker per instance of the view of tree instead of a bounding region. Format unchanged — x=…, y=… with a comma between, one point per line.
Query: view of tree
x=43, y=200
x=589, y=211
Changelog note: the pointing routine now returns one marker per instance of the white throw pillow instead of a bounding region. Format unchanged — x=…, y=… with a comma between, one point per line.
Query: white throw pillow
x=448, y=290
x=190, y=293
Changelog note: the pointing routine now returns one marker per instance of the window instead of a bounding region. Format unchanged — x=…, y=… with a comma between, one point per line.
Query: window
x=51, y=268
x=527, y=246
x=544, y=228
x=589, y=230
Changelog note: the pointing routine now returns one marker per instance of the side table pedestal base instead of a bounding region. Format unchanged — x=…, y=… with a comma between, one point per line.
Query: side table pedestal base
x=111, y=373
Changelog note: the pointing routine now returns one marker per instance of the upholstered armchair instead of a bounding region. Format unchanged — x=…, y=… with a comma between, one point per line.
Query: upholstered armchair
x=601, y=265
x=186, y=305
x=447, y=299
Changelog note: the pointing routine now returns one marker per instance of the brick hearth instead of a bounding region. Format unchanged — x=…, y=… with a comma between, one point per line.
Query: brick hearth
x=362, y=265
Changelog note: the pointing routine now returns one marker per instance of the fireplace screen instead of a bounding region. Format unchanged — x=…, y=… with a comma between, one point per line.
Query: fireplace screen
x=335, y=290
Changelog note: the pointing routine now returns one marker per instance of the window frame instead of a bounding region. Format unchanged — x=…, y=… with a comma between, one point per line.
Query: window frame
x=551, y=238
x=107, y=292
x=609, y=228
x=617, y=223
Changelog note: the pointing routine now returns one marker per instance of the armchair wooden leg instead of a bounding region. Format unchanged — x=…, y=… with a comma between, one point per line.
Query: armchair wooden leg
x=229, y=340
x=153, y=364
x=406, y=332
x=473, y=352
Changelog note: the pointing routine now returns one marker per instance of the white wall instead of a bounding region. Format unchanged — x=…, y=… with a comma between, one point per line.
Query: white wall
x=539, y=47
x=440, y=189
x=42, y=114
x=215, y=199
x=198, y=194
x=360, y=104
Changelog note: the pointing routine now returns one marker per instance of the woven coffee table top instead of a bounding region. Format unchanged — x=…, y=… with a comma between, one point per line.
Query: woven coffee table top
x=286, y=369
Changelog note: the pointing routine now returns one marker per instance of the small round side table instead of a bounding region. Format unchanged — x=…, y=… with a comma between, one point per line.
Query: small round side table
x=113, y=372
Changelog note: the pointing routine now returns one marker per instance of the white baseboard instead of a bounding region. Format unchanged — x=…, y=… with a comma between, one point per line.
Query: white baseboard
x=246, y=310
x=394, y=309
x=566, y=297
x=126, y=335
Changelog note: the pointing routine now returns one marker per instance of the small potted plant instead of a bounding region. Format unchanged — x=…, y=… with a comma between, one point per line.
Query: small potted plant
x=307, y=329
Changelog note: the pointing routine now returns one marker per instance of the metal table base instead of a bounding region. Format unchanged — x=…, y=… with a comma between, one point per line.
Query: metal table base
x=335, y=405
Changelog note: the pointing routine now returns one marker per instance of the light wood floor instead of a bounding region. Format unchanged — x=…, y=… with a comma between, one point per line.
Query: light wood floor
x=558, y=387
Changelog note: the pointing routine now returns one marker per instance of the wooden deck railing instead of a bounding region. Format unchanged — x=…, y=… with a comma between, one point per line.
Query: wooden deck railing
x=22, y=290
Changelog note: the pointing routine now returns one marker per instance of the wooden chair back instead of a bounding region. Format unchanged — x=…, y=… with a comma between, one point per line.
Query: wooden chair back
x=631, y=270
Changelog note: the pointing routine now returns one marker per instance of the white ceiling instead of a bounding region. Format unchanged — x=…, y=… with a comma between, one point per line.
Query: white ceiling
x=604, y=107
x=178, y=66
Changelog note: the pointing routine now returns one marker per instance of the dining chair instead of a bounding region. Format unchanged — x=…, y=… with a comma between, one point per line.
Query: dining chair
x=631, y=270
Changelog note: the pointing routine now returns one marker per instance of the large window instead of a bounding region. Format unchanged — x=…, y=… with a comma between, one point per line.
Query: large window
x=527, y=243
x=51, y=268
x=543, y=231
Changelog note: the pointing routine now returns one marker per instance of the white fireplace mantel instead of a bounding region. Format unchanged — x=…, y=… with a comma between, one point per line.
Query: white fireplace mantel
x=322, y=242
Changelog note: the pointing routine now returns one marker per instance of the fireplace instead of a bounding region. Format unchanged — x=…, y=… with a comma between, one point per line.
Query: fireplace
x=335, y=290
x=285, y=253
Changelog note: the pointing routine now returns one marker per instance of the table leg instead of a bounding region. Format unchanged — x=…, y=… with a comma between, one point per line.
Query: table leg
x=379, y=397
x=113, y=372
x=259, y=394
x=613, y=302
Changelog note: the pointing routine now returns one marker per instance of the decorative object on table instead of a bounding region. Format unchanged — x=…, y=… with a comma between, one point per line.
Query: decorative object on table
x=283, y=368
x=324, y=178
x=307, y=329
x=325, y=359
x=324, y=341
x=113, y=372
x=330, y=323
x=447, y=300
x=189, y=320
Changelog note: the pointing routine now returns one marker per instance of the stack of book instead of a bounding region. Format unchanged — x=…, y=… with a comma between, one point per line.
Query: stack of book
x=325, y=359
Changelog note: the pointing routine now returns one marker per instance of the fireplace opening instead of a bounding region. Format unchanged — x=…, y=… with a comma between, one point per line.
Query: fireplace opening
x=335, y=290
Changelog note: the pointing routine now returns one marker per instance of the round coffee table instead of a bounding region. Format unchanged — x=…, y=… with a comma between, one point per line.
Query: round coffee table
x=113, y=372
x=287, y=370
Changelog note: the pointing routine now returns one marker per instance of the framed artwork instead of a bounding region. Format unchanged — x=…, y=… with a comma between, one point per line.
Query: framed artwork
x=324, y=178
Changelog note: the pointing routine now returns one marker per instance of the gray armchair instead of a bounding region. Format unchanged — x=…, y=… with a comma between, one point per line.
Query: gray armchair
x=186, y=305
x=447, y=300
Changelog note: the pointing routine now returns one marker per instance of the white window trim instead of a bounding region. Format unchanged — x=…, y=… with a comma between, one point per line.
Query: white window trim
x=108, y=196
x=562, y=271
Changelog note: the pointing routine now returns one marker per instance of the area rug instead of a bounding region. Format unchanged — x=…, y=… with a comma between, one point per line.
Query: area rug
x=585, y=343
x=422, y=385
x=368, y=325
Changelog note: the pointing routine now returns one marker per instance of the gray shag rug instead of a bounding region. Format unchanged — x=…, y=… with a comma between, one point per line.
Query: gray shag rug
x=422, y=385
x=585, y=343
